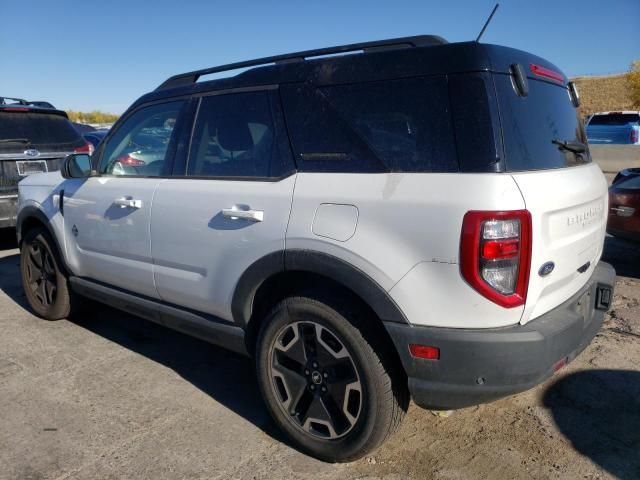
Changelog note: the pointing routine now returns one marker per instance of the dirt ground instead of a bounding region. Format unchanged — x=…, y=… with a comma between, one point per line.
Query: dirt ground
x=112, y=396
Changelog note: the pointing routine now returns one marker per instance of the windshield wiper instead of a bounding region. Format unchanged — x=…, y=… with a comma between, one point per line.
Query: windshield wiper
x=15, y=140
x=575, y=147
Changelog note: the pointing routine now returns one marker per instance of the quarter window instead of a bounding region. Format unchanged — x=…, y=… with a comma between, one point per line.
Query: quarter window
x=142, y=144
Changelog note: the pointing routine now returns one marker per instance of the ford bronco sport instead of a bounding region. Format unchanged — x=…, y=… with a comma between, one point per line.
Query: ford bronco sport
x=418, y=219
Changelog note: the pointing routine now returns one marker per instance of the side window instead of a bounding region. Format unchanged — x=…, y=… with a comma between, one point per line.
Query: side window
x=387, y=126
x=236, y=135
x=141, y=145
x=407, y=122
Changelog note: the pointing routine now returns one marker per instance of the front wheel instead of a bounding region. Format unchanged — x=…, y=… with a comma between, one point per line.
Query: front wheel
x=323, y=382
x=45, y=284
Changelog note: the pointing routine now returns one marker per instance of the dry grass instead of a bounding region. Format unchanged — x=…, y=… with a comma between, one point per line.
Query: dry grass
x=597, y=94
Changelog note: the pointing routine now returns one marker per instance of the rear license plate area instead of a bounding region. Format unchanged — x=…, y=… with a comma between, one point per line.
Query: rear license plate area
x=604, y=294
x=28, y=167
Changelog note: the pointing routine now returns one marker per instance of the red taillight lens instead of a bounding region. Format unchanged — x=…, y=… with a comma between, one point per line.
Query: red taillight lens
x=86, y=148
x=424, y=351
x=546, y=73
x=495, y=256
x=126, y=160
x=634, y=135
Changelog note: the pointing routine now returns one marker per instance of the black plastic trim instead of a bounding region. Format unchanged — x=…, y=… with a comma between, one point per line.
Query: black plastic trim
x=206, y=327
x=33, y=212
x=481, y=365
x=351, y=277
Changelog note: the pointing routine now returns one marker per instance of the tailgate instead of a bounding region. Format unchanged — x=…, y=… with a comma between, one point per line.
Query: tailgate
x=15, y=167
x=568, y=208
x=609, y=134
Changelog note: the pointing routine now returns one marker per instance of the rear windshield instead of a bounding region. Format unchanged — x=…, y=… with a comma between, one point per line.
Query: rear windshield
x=533, y=123
x=40, y=129
x=615, y=119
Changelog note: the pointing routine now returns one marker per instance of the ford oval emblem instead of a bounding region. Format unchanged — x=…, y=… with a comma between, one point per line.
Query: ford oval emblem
x=546, y=269
x=32, y=152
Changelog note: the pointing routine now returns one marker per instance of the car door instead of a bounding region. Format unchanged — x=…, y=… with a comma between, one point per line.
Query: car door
x=230, y=204
x=107, y=216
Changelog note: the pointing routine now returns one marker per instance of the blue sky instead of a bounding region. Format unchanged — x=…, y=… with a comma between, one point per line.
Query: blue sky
x=87, y=55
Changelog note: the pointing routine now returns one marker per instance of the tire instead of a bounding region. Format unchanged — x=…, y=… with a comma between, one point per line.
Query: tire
x=326, y=387
x=43, y=278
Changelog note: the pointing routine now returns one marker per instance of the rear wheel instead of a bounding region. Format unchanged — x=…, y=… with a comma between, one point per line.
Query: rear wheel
x=45, y=284
x=324, y=384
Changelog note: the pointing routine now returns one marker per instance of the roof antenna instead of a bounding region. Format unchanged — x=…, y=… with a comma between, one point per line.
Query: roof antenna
x=486, y=24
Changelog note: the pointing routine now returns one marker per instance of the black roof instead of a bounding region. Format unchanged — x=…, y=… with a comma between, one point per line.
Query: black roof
x=379, y=60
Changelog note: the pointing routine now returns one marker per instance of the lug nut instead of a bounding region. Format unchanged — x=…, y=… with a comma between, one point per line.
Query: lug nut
x=315, y=365
x=326, y=375
x=324, y=389
x=306, y=371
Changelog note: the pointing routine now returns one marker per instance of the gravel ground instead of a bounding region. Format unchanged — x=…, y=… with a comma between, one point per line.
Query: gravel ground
x=112, y=396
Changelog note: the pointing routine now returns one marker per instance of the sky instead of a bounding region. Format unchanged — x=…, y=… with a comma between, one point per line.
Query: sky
x=90, y=55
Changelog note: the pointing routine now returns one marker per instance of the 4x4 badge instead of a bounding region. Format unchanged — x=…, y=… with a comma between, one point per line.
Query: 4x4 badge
x=32, y=152
x=546, y=269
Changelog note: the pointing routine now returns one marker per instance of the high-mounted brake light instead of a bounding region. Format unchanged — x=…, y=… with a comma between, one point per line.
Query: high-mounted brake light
x=495, y=256
x=15, y=109
x=86, y=148
x=541, y=71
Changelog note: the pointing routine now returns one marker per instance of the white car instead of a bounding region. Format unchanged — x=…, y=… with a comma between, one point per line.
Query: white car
x=418, y=220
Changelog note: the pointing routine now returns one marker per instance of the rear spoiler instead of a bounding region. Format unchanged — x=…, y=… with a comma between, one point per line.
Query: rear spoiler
x=32, y=109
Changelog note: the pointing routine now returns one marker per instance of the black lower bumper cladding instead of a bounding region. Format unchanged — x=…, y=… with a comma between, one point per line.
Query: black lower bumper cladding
x=481, y=365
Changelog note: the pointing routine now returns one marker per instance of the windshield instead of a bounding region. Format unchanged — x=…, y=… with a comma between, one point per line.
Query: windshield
x=541, y=130
x=615, y=119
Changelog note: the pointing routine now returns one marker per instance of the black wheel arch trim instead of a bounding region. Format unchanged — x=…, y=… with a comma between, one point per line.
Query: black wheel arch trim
x=34, y=212
x=311, y=261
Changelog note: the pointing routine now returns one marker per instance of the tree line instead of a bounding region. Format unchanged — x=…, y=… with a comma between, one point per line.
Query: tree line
x=95, y=116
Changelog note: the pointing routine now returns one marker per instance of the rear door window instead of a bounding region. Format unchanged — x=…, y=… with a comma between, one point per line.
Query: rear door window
x=530, y=125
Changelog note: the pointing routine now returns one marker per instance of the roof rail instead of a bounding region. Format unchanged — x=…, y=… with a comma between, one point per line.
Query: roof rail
x=416, y=41
x=19, y=101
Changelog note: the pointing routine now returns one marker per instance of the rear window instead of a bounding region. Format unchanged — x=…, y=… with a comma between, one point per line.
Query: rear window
x=41, y=129
x=615, y=119
x=531, y=124
x=395, y=125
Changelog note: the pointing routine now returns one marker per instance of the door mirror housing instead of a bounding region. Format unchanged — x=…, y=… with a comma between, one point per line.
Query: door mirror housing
x=76, y=165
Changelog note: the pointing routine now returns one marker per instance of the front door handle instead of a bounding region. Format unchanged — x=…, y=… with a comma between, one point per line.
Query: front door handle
x=128, y=202
x=234, y=213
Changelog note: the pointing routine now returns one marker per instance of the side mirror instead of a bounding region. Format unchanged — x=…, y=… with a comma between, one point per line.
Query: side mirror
x=76, y=165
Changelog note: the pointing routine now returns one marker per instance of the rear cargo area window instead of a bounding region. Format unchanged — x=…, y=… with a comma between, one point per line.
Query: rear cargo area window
x=395, y=126
x=531, y=124
x=40, y=129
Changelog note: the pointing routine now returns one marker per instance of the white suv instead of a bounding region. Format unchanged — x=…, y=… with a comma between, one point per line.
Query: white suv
x=418, y=219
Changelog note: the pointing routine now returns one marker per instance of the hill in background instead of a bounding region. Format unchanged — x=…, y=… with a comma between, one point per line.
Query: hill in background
x=602, y=94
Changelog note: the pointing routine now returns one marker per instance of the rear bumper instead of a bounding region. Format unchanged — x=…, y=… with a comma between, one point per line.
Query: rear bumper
x=8, y=209
x=482, y=365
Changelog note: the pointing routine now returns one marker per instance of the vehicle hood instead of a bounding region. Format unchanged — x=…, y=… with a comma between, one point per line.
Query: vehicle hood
x=49, y=179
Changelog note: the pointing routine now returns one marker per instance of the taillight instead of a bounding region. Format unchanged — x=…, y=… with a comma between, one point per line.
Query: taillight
x=127, y=160
x=495, y=256
x=634, y=135
x=86, y=148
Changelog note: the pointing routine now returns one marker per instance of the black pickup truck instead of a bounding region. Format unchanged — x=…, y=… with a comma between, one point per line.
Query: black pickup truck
x=34, y=137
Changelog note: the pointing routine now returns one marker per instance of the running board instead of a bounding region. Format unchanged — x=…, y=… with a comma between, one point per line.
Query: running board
x=201, y=325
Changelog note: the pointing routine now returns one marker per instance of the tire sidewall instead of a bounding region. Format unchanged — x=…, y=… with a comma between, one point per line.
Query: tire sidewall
x=61, y=307
x=364, y=432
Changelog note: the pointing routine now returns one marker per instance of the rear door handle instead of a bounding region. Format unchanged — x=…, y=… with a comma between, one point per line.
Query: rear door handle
x=235, y=213
x=128, y=202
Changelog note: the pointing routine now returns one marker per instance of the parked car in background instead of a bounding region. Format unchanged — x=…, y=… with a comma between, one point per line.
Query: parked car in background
x=624, y=205
x=366, y=226
x=34, y=138
x=615, y=128
x=94, y=137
